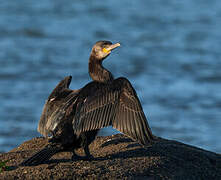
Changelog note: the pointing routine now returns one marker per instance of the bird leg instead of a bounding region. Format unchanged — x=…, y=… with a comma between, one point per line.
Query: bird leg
x=75, y=156
x=87, y=153
x=87, y=156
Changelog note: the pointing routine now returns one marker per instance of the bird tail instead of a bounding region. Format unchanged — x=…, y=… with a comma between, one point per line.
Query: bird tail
x=41, y=156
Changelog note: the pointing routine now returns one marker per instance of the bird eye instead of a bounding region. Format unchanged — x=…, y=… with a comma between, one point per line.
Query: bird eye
x=105, y=50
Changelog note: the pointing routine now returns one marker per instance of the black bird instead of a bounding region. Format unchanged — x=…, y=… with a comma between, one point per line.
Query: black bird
x=73, y=117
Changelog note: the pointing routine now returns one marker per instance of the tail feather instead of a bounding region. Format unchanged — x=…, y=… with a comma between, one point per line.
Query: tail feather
x=41, y=156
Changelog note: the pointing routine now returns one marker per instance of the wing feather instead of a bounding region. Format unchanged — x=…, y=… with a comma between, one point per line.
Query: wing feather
x=113, y=104
x=55, y=108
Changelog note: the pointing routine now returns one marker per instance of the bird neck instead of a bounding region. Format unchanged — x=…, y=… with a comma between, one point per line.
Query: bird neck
x=98, y=72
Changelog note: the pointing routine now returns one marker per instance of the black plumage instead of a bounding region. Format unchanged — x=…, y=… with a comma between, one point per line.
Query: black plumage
x=73, y=117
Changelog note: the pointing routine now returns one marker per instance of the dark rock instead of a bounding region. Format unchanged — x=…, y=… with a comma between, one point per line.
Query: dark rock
x=118, y=157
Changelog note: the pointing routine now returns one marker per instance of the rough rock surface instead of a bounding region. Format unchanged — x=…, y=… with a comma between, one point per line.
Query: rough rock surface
x=117, y=157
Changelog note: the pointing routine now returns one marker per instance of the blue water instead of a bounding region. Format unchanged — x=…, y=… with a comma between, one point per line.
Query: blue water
x=171, y=53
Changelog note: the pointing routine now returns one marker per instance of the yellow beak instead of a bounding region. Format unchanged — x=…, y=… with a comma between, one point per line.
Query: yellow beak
x=111, y=47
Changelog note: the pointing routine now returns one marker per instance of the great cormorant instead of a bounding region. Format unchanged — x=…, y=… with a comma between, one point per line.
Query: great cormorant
x=73, y=117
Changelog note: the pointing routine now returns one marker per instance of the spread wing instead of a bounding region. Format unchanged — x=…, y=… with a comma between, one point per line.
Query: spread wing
x=113, y=104
x=55, y=107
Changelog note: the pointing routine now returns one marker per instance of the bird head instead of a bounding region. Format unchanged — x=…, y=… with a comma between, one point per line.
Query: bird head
x=102, y=49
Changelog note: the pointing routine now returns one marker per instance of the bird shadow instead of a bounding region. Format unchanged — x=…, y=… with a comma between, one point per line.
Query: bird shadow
x=140, y=152
x=130, y=153
x=116, y=141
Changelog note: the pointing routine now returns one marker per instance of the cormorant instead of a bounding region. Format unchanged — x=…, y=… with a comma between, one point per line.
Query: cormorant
x=73, y=117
